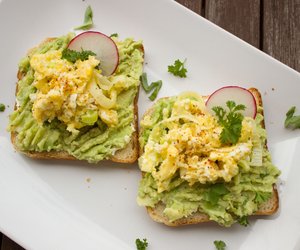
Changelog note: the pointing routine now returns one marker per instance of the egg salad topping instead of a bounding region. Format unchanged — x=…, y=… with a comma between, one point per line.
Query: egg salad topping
x=74, y=93
x=186, y=142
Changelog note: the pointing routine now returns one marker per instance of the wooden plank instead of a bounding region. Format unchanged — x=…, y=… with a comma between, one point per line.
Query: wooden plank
x=239, y=17
x=194, y=5
x=281, y=31
x=8, y=244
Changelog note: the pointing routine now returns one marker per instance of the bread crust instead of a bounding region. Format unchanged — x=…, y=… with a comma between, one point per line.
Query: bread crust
x=129, y=154
x=268, y=208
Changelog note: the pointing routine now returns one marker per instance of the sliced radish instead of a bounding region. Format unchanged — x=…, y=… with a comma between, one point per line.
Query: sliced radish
x=103, y=46
x=233, y=93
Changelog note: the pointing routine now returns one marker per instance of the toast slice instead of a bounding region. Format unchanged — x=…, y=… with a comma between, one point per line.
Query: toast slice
x=129, y=154
x=267, y=208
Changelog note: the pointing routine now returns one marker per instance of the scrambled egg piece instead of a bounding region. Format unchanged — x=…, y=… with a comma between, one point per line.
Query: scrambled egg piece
x=70, y=92
x=187, y=142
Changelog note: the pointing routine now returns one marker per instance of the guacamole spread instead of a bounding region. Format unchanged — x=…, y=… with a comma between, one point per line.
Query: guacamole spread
x=189, y=170
x=71, y=106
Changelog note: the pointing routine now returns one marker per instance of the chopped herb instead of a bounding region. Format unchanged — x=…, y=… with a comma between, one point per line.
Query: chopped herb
x=178, y=69
x=216, y=191
x=2, y=107
x=141, y=244
x=292, y=121
x=72, y=55
x=261, y=197
x=114, y=35
x=88, y=20
x=219, y=244
x=155, y=86
x=243, y=221
x=231, y=122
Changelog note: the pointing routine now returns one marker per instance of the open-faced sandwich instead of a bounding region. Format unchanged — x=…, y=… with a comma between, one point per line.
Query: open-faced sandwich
x=205, y=159
x=76, y=98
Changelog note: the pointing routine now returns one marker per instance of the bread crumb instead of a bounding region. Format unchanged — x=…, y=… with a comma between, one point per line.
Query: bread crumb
x=88, y=179
x=273, y=89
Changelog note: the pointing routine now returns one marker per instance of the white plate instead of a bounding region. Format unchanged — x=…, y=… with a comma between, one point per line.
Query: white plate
x=53, y=205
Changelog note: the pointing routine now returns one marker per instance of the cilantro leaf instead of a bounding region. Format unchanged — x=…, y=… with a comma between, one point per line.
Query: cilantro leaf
x=219, y=244
x=261, y=197
x=178, y=69
x=155, y=86
x=88, y=20
x=114, y=35
x=230, y=121
x=215, y=192
x=292, y=121
x=243, y=221
x=72, y=55
x=141, y=244
x=2, y=107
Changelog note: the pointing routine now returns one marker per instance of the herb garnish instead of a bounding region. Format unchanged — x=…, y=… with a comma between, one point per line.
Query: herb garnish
x=2, y=107
x=231, y=122
x=148, y=88
x=243, y=221
x=261, y=197
x=178, y=69
x=72, y=55
x=215, y=192
x=141, y=244
x=292, y=121
x=219, y=244
x=114, y=35
x=88, y=20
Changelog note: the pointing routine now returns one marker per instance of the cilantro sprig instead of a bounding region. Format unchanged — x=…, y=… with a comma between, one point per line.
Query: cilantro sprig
x=292, y=121
x=72, y=55
x=2, y=107
x=219, y=244
x=155, y=86
x=178, y=69
x=88, y=20
x=215, y=192
x=141, y=244
x=114, y=35
x=230, y=121
x=243, y=221
x=261, y=197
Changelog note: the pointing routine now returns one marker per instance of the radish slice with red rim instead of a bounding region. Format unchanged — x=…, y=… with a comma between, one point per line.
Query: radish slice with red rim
x=233, y=93
x=103, y=46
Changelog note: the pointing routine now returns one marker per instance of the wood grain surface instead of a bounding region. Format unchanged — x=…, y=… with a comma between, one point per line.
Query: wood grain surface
x=239, y=17
x=281, y=31
x=270, y=25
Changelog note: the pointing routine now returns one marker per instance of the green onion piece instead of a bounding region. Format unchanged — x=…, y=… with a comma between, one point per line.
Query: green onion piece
x=88, y=20
x=90, y=117
x=144, y=81
x=155, y=86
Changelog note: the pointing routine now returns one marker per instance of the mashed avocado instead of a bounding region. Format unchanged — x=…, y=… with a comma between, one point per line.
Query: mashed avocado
x=95, y=141
x=224, y=199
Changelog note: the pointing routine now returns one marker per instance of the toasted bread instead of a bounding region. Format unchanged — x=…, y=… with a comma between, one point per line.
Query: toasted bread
x=129, y=154
x=268, y=208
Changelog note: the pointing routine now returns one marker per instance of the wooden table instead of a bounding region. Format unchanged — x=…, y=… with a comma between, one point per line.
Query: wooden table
x=272, y=26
